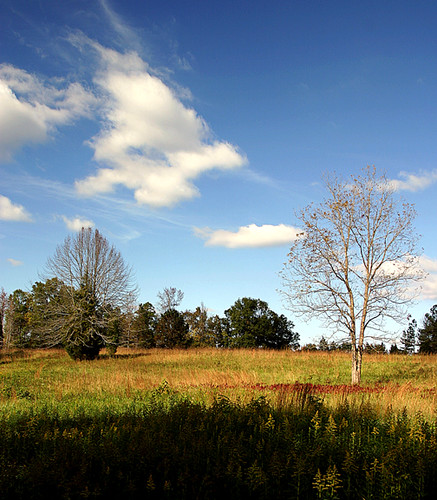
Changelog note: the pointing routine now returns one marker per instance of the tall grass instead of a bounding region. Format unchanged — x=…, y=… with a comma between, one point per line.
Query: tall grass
x=213, y=423
x=50, y=376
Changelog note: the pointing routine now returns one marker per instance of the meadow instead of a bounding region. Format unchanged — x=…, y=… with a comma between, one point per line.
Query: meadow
x=207, y=423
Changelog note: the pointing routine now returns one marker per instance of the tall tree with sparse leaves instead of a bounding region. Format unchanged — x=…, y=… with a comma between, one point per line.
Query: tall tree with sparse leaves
x=96, y=283
x=354, y=260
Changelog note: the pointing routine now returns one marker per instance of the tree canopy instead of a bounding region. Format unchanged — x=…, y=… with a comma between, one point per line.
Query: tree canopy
x=250, y=323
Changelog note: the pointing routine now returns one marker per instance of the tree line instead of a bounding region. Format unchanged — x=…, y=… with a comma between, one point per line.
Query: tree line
x=30, y=320
x=413, y=339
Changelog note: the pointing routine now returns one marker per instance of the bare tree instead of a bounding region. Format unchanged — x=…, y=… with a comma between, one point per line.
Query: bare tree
x=169, y=298
x=355, y=261
x=96, y=284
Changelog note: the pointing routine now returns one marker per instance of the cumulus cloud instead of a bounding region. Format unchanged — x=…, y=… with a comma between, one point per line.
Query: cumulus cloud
x=151, y=142
x=15, y=262
x=413, y=182
x=31, y=109
x=77, y=223
x=251, y=236
x=13, y=212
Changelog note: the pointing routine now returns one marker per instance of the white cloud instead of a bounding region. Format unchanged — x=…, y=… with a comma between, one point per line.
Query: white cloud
x=77, y=223
x=30, y=109
x=15, y=262
x=412, y=182
x=251, y=236
x=429, y=285
x=13, y=212
x=150, y=142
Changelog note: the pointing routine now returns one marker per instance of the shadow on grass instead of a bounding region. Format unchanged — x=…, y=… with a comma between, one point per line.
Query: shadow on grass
x=124, y=356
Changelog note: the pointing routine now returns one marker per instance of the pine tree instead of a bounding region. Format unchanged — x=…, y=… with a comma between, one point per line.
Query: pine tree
x=408, y=338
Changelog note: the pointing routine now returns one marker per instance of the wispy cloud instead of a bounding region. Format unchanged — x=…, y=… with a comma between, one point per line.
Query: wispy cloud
x=77, y=223
x=13, y=212
x=413, y=182
x=15, y=262
x=251, y=236
x=126, y=33
x=150, y=141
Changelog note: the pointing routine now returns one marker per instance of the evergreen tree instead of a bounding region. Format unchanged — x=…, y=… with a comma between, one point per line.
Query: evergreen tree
x=144, y=326
x=408, y=338
x=172, y=330
x=428, y=333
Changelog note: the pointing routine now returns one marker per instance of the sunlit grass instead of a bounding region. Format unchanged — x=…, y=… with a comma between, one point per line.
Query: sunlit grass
x=49, y=376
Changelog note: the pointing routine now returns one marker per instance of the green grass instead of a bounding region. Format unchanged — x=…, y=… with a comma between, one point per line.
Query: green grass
x=214, y=423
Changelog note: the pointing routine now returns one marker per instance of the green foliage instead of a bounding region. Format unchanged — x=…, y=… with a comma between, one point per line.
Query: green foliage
x=17, y=319
x=250, y=323
x=428, y=333
x=408, y=338
x=83, y=332
x=169, y=447
x=144, y=326
x=86, y=350
x=172, y=330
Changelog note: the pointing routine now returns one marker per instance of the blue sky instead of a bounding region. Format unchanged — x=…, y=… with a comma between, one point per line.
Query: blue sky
x=190, y=132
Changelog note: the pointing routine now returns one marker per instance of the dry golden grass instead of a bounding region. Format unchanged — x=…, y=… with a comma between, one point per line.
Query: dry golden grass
x=394, y=381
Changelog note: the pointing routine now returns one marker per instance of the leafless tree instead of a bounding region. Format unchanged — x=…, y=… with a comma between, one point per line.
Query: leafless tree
x=169, y=298
x=96, y=284
x=355, y=262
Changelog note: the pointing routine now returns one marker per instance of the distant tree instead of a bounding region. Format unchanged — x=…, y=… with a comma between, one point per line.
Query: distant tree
x=217, y=329
x=198, y=330
x=428, y=333
x=375, y=348
x=128, y=336
x=43, y=303
x=344, y=346
x=169, y=298
x=354, y=260
x=96, y=282
x=408, y=338
x=394, y=349
x=172, y=330
x=3, y=308
x=17, y=328
x=323, y=344
x=252, y=324
x=309, y=347
x=144, y=326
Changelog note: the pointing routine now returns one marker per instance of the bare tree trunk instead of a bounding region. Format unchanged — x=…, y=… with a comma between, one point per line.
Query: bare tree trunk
x=357, y=358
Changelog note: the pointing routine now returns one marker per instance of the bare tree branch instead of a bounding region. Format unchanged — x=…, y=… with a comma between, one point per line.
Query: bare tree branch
x=356, y=259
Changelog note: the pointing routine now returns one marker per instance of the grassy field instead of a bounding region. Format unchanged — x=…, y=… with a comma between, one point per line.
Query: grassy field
x=205, y=423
